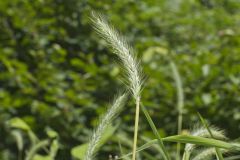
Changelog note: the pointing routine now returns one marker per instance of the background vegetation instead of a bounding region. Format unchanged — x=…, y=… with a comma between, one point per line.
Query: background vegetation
x=56, y=72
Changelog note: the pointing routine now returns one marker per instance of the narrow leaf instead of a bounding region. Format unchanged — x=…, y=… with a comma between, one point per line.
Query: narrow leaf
x=200, y=141
x=155, y=131
x=189, y=139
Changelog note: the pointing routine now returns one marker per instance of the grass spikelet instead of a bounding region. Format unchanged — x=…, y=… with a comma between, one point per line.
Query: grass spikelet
x=122, y=50
x=205, y=154
x=104, y=122
x=203, y=132
x=125, y=53
x=209, y=152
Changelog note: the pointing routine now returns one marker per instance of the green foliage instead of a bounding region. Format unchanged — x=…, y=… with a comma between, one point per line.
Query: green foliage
x=55, y=72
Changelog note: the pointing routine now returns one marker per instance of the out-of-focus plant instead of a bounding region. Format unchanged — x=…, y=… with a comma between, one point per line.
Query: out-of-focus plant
x=19, y=128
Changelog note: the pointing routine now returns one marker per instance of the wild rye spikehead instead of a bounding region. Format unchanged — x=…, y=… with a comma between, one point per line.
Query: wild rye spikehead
x=122, y=49
x=133, y=70
x=206, y=153
x=105, y=120
x=203, y=132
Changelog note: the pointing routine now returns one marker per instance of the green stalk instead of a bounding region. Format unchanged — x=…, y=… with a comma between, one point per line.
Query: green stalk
x=136, y=128
x=186, y=156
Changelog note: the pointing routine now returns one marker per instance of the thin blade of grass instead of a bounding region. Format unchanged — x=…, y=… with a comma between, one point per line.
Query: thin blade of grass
x=143, y=147
x=200, y=141
x=121, y=151
x=188, y=139
x=154, y=129
x=149, y=156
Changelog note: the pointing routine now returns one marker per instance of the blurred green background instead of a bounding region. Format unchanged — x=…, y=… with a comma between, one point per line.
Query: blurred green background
x=57, y=74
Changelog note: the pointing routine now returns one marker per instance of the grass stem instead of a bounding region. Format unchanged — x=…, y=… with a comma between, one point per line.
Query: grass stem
x=136, y=128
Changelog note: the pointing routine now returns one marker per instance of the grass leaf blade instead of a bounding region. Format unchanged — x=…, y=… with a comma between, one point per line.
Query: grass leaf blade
x=200, y=141
x=154, y=129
